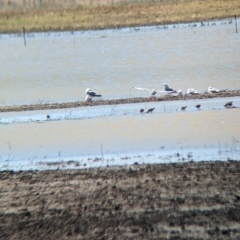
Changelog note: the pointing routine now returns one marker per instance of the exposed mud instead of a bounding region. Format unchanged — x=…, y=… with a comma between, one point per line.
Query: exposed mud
x=173, y=201
x=16, y=108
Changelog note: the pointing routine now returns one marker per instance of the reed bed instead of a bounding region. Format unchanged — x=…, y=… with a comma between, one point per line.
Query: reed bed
x=111, y=14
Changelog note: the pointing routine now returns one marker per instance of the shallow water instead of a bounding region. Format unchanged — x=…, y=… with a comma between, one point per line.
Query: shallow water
x=58, y=67
x=121, y=135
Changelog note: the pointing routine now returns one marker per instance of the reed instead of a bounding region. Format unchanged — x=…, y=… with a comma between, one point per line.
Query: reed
x=112, y=14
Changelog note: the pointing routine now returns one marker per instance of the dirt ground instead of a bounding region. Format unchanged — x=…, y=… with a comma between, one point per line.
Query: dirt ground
x=43, y=106
x=167, y=201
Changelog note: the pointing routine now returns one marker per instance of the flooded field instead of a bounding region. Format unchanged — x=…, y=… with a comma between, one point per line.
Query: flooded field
x=58, y=67
x=119, y=135
x=120, y=172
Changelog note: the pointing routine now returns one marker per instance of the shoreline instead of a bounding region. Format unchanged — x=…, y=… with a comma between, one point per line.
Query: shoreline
x=184, y=200
x=114, y=16
x=46, y=106
x=114, y=27
x=118, y=27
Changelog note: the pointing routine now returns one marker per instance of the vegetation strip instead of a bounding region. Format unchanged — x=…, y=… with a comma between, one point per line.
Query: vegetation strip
x=116, y=101
x=57, y=18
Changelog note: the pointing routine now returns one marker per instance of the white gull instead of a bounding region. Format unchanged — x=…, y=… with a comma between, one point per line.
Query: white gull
x=212, y=90
x=153, y=92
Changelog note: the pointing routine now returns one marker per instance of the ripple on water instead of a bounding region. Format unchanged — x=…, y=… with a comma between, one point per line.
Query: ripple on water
x=126, y=136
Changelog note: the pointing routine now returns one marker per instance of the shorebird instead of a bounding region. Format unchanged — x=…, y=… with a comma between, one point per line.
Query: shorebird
x=142, y=110
x=47, y=116
x=168, y=89
x=212, y=90
x=192, y=91
x=228, y=104
x=153, y=92
x=198, y=106
x=150, y=110
x=91, y=94
x=183, y=108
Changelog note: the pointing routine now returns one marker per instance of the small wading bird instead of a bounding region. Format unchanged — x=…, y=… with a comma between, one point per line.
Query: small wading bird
x=150, y=110
x=213, y=90
x=228, y=104
x=192, y=91
x=183, y=108
x=142, y=111
x=198, y=106
x=153, y=92
x=47, y=116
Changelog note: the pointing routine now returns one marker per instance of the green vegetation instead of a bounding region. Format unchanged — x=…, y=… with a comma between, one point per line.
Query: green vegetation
x=114, y=16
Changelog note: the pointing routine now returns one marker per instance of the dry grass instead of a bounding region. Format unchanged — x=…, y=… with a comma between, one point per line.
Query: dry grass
x=115, y=16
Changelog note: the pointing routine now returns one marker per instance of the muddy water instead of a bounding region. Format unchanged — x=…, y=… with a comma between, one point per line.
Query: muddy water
x=58, y=67
x=121, y=135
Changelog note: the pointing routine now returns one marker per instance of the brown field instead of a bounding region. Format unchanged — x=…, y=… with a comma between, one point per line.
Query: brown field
x=168, y=201
x=110, y=14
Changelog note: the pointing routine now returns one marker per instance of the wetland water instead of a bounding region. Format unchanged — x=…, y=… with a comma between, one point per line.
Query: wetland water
x=58, y=67
x=107, y=135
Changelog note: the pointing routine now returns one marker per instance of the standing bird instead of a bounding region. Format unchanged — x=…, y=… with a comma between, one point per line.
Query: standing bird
x=228, y=104
x=47, y=116
x=183, y=108
x=91, y=94
x=150, y=110
x=198, y=106
x=213, y=90
x=168, y=89
x=142, y=110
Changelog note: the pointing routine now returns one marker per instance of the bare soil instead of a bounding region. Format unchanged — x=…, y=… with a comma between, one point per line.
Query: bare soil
x=167, y=201
x=41, y=106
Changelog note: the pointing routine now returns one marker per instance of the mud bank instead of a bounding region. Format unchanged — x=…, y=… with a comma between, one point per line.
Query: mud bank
x=184, y=200
x=30, y=107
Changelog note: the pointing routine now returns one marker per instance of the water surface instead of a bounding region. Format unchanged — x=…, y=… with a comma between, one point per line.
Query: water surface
x=124, y=136
x=58, y=67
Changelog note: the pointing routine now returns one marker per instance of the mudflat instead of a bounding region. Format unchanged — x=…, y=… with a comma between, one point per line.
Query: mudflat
x=173, y=201
x=42, y=106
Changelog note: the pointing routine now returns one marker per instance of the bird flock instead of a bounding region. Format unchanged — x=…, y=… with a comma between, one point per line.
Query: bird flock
x=173, y=92
x=166, y=89
x=198, y=106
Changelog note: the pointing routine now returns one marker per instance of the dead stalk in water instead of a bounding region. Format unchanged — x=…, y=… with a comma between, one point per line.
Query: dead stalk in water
x=102, y=152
